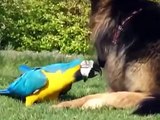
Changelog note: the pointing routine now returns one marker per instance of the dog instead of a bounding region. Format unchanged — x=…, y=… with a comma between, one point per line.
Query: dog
x=126, y=35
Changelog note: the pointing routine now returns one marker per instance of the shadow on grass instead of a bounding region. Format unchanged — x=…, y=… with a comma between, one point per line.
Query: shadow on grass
x=61, y=98
x=67, y=97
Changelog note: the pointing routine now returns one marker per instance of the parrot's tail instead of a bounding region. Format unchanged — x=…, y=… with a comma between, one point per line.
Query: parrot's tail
x=4, y=92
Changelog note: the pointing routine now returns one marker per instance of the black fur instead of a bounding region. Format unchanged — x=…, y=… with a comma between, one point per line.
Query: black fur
x=141, y=30
x=139, y=40
x=149, y=106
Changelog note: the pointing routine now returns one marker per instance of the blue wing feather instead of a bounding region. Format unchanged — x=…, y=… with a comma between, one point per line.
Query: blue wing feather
x=27, y=83
x=61, y=66
x=33, y=79
x=24, y=68
x=53, y=67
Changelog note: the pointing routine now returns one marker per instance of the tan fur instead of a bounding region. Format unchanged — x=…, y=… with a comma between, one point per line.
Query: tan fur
x=130, y=82
x=142, y=79
x=99, y=18
x=114, y=99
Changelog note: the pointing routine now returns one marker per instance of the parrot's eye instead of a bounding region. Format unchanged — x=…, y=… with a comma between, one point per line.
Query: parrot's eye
x=89, y=68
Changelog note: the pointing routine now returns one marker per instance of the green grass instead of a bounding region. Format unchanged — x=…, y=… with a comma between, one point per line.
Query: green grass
x=11, y=109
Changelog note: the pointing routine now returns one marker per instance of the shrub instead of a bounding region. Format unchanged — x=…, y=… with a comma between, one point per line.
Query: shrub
x=44, y=25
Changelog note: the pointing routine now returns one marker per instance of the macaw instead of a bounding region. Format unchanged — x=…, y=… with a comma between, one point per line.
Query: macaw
x=48, y=82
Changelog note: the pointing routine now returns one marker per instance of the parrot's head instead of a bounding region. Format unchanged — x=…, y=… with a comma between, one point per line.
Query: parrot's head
x=89, y=69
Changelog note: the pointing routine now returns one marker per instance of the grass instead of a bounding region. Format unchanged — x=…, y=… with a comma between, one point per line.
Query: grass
x=11, y=109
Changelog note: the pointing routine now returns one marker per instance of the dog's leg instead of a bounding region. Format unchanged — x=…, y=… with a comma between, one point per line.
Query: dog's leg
x=78, y=102
x=114, y=99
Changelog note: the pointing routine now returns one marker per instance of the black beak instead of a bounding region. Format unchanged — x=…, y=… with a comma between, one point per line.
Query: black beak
x=94, y=71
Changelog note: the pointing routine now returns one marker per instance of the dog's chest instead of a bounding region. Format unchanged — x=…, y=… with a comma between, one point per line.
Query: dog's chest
x=115, y=68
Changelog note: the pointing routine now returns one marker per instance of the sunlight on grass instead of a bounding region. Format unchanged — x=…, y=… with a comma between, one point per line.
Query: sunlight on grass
x=11, y=109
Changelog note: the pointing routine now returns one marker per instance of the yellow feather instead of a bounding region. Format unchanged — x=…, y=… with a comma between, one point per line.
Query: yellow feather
x=56, y=83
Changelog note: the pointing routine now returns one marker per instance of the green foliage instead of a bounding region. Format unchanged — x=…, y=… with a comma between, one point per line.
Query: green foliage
x=156, y=0
x=44, y=25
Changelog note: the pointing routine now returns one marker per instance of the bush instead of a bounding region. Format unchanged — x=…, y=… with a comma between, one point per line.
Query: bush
x=44, y=25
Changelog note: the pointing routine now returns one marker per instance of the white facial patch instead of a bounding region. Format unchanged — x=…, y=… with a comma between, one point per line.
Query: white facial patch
x=86, y=67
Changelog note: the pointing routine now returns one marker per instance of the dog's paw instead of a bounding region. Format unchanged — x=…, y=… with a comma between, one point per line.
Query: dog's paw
x=66, y=104
x=93, y=104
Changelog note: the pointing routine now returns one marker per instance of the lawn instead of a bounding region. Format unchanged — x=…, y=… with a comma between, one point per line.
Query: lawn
x=11, y=109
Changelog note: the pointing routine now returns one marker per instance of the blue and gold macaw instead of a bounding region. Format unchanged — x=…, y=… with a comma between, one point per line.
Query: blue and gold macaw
x=48, y=82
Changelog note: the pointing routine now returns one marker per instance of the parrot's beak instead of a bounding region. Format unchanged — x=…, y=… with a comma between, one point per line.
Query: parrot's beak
x=94, y=71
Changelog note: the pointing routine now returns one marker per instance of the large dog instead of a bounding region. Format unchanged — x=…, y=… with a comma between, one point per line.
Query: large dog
x=126, y=34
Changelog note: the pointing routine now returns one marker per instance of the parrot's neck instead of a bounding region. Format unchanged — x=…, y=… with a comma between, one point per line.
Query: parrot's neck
x=71, y=74
x=78, y=76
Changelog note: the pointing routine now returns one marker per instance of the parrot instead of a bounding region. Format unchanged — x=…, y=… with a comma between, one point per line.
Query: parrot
x=50, y=81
